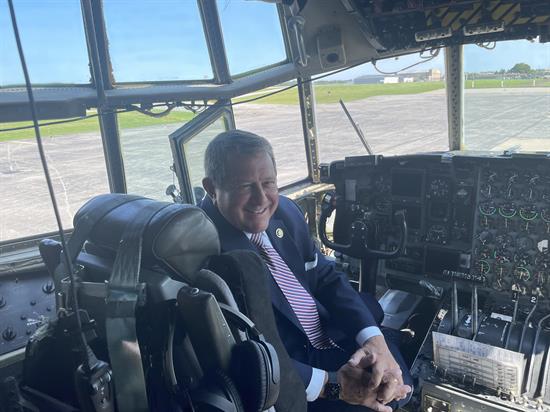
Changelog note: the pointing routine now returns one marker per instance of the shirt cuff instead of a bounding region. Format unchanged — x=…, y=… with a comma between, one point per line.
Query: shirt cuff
x=316, y=384
x=367, y=333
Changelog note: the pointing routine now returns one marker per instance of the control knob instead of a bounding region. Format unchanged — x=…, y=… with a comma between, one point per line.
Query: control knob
x=48, y=287
x=9, y=334
x=485, y=237
x=525, y=243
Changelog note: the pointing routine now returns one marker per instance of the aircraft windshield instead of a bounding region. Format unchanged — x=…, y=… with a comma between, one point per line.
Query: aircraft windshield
x=507, y=97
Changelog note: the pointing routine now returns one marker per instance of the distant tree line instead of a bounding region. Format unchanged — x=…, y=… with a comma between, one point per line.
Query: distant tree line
x=518, y=71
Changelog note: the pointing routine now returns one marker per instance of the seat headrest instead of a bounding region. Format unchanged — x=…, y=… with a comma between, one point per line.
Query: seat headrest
x=178, y=237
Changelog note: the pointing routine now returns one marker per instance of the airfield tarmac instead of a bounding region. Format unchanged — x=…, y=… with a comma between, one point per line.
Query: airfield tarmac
x=497, y=119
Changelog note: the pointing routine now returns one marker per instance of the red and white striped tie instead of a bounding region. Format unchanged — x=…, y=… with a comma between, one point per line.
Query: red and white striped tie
x=297, y=296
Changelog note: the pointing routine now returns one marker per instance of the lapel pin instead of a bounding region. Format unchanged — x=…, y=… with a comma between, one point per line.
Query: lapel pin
x=279, y=232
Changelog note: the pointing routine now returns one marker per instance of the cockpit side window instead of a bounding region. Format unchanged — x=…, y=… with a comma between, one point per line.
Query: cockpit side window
x=54, y=42
x=506, y=96
x=77, y=167
x=156, y=41
x=397, y=112
x=252, y=35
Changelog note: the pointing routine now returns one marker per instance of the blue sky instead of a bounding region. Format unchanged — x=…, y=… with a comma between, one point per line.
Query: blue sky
x=163, y=40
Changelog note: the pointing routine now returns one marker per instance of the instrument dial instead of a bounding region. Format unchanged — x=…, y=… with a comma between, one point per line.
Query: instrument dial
x=487, y=209
x=525, y=243
x=528, y=212
x=522, y=273
x=483, y=266
x=382, y=185
x=504, y=241
x=508, y=211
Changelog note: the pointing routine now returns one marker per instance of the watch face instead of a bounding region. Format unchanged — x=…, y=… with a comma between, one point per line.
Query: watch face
x=332, y=391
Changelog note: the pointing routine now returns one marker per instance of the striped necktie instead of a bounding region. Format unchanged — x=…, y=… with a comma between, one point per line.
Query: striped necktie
x=297, y=296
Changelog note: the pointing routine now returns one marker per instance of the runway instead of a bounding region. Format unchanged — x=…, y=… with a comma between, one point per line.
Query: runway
x=495, y=119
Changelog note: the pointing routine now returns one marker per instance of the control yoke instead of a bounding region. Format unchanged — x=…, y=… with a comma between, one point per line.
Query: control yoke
x=358, y=246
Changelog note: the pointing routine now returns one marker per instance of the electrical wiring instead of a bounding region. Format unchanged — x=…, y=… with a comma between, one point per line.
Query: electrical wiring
x=199, y=107
x=433, y=54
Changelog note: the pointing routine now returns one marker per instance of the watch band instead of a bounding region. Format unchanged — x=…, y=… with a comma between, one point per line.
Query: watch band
x=332, y=387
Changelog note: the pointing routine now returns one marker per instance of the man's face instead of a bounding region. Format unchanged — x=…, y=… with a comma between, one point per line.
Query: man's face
x=250, y=196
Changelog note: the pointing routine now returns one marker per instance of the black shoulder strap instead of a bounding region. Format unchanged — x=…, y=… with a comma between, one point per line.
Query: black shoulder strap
x=123, y=295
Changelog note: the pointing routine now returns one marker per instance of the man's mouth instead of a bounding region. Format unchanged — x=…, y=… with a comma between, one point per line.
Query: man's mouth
x=257, y=212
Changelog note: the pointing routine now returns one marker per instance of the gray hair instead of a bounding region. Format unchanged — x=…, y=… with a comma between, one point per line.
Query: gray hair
x=227, y=144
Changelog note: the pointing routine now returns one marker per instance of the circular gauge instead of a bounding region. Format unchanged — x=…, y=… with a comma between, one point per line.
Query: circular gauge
x=485, y=237
x=528, y=213
x=382, y=185
x=525, y=243
x=508, y=211
x=504, y=241
x=522, y=273
x=483, y=267
x=545, y=215
x=439, y=188
x=487, y=209
x=522, y=259
x=484, y=253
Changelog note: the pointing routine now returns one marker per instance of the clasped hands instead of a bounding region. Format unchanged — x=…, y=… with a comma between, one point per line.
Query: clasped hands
x=372, y=377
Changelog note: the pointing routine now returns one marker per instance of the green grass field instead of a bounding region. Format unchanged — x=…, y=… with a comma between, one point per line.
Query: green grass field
x=324, y=94
x=126, y=120
x=497, y=84
x=331, y=93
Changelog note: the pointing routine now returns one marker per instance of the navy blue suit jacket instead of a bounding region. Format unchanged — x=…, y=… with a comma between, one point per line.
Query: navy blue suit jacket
x=342, y=311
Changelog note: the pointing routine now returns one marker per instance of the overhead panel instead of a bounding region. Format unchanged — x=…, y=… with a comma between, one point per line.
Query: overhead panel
x=406, y=25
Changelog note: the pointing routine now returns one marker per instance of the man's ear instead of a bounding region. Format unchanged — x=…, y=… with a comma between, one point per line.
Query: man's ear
x=208, y=185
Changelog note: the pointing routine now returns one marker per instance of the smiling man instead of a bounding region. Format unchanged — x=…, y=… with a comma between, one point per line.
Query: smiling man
x=330, y=331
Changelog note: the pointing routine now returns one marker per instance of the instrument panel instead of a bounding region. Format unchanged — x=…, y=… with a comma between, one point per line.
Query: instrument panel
x=484, y=219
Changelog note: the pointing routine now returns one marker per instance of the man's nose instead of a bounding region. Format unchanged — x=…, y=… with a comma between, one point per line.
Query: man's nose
x=258, y=194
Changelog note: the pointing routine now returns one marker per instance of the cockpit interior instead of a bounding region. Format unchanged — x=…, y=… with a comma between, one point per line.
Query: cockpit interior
x=439, y=206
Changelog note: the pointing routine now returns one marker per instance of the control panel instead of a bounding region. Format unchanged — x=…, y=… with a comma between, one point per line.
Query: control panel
x=477, y=230
x=483, y=219
x=512, y=227
x=26, y=303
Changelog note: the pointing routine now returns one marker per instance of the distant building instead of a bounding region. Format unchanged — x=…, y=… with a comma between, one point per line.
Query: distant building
x=432, y=75
x=369, y=79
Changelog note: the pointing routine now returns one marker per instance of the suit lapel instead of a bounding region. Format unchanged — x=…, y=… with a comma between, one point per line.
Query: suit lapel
x=280, y=238
x=233, y=239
